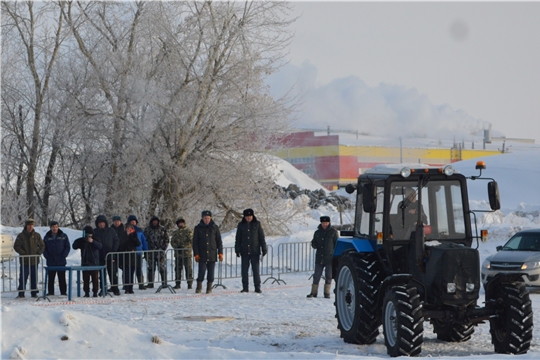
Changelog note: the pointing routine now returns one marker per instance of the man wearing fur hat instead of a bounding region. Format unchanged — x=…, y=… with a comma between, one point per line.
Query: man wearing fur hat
x=28, y=242
x=207, y=248
x=250, y=244
x=324, y=240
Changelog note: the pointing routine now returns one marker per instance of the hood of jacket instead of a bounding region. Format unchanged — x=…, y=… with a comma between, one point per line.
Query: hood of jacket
x=152, y=219
x=102, y=218
x=132, y=217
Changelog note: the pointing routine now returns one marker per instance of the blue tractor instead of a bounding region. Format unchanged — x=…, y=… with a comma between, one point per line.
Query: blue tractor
x=410, y=259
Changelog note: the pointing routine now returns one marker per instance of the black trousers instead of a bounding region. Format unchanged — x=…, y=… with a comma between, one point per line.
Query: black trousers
x=128, y=273
x=252, y=260
x=112, y=270
x=87, y=275
x=61, y=282
x=203, y=266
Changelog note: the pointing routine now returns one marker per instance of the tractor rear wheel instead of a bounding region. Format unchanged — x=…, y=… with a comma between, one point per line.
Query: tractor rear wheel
x=403, y=321
x=357, y=286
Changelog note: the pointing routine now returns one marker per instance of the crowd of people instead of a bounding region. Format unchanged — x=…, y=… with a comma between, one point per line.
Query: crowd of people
x=127, y=244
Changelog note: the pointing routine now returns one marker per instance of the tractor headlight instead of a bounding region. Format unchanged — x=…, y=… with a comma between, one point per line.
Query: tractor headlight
x=405, y=172
x=469, y=287
x=486, y=264
x=448, y=170
x=451, y=288
x=530, y=265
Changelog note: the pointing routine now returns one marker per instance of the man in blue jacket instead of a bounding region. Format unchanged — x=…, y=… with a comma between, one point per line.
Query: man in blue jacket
x=56, y=251
x=132, y=219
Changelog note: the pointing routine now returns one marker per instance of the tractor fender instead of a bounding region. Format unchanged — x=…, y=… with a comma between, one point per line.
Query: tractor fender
x=500, y=278
x=345, y=245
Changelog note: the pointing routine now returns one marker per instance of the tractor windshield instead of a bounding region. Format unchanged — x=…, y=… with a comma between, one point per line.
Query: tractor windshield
x=439, y=207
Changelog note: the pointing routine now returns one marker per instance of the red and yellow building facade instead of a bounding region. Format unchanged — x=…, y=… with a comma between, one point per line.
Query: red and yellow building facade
x=333, y=164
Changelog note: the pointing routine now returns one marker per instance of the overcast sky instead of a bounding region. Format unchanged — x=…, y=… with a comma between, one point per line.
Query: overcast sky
x=417, y=69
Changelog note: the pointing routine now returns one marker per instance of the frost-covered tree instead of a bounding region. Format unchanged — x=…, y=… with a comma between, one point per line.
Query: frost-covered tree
x=160, y=108
x=32, y=35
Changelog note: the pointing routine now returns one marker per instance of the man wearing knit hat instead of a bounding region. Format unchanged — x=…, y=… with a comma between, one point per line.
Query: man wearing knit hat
x=30, y=246
x=57, y=248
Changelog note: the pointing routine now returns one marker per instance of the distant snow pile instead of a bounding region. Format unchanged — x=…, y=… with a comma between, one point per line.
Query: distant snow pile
x=287, y=174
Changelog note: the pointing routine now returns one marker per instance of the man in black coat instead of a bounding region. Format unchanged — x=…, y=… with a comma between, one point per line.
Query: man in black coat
x=110, y=243
x=250, y=244
x=207, y=247
x=90, y=247
x=129, y=245
x=121, y=233
x=324, y=240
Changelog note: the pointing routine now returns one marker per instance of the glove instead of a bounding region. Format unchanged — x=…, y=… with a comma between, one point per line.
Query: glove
x=265, y=252
x=237, y=254
x=197, y=258
x=220, y=257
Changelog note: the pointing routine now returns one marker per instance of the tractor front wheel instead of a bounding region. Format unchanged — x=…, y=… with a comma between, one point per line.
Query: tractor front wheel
x=403, y=321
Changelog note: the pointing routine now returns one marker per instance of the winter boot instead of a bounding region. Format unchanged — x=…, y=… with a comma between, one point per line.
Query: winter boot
x=189, y=284
x=177, y=286
x=199, y=287
x=314, y=291
x=209, y=287
x=258, y=289
x=327, y=288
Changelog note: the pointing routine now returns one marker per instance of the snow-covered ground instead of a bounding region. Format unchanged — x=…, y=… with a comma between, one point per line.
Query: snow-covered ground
x=279, y=323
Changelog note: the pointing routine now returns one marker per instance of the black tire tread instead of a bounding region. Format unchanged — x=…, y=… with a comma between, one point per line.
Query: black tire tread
x=410, y=330
x=453, y=332
x=366, y=324
x=512, y=333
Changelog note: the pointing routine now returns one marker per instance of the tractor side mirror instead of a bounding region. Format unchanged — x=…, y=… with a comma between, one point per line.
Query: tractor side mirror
x=493, y=194
x=369, y=198
x=350, y=188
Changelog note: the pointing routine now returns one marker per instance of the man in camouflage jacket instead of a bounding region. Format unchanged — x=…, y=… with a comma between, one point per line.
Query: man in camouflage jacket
x=157, y=239
x=182, y=243
x=30, y=246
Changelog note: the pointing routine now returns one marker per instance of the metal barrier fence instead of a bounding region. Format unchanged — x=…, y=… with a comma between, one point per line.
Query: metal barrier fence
x=229, y=268
x=294, y=257
x=291, y=258
x=12, y=277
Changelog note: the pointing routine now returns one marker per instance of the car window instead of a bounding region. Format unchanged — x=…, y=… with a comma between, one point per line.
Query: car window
x=530, y=242
x=523, y=242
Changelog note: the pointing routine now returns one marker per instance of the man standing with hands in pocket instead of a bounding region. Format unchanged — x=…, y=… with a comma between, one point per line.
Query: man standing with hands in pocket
x=207, y=247
x=250, y=244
